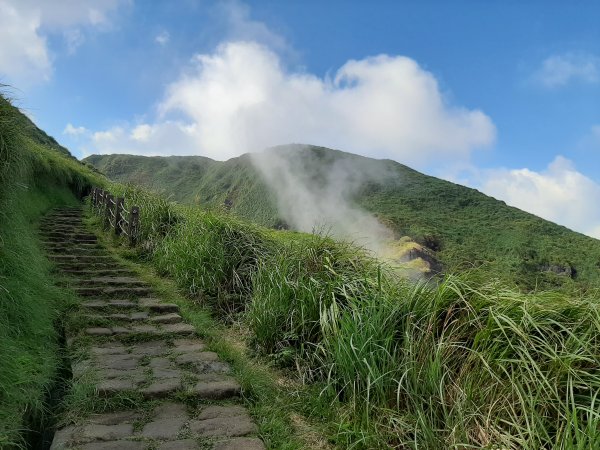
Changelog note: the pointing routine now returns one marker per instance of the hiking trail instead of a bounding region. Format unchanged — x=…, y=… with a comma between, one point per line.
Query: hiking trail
x=138, y=358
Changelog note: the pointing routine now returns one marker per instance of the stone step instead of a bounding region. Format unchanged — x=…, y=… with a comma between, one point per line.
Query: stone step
x=77, y=251
x=217, y=427
x=64, y=216
x=144, y=330
x=113, y=281
x=64, y=226
x=66, y=266
x=57, y=223
x=111, y=292
x=136, y=316
x=155, y=305
x=82, y=258
x=50, y=218
x=64, y=231
x=102, y=282
x=143, y=304
x=71, y=240
x=86, y=273
x=119, y=304
x=90, y=245
x=53, y=235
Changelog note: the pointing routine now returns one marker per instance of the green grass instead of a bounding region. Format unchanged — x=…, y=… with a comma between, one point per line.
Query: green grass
x=464, y=227
x=34, y=177
x=466, y=362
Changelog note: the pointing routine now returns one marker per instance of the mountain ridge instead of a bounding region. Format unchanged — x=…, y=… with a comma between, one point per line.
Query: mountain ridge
x=462, y=226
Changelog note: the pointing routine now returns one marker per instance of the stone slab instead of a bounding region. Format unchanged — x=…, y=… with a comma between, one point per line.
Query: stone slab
x=240, y=444
x=166, y=318
x=98, y=331
x=162, y=388
x=170, y=409
x=163, y=428
x=182, y=444
x=216, y=387
x=115, y=445
x=115, y=386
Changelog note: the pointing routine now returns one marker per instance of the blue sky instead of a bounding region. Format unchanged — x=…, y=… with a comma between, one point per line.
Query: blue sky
x=501, y=96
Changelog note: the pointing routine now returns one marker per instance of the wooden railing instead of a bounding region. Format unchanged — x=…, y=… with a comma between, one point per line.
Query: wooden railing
x=115, y=216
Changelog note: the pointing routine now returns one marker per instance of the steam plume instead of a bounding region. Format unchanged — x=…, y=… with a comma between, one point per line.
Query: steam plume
x=315, y=187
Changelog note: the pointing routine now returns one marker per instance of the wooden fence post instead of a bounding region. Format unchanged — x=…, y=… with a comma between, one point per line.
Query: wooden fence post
x=119, y=206
x=134, y=218
x=100, y=204
x=107, y=210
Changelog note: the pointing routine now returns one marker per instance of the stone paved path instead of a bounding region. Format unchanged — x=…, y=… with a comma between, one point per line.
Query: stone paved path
x=128, y=344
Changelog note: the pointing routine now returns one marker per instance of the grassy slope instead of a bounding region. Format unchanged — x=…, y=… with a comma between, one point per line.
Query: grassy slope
x=35, y=175
x=466, y=363
x=196, y=180
x=464, y=226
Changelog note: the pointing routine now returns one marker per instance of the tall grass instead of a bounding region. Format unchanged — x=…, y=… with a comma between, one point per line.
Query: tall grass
x=462, y=362
x=449, y=365
x=212, y=256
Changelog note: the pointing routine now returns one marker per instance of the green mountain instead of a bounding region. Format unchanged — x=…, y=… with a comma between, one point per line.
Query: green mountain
x=461, y=226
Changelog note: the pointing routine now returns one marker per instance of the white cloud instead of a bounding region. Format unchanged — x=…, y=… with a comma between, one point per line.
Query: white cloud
x=141, y=132
x=25, y=24
x=162, y=38
x=165, y=138
x=241, y=98
x=560, y=194
x=559, y=70
x=74, y=131
x=23, y=52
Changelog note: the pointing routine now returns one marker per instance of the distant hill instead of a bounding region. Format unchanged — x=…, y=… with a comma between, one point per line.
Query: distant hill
x=461, y=226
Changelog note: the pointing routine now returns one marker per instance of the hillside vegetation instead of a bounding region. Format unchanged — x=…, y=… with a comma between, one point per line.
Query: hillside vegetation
x=464, y=227
x=36, y=174
x=466, y=363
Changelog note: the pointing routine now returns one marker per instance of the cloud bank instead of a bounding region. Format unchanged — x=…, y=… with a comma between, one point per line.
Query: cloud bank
x=559, y=193
x=241, y=98
x=25, y=25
